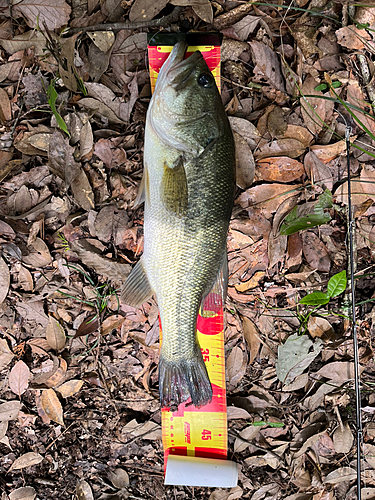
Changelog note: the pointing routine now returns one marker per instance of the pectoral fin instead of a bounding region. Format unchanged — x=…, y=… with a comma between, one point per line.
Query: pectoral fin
x=137, y=288
x=174, y=189
x=216, y=297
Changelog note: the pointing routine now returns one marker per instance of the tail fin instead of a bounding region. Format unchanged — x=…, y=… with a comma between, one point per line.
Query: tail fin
x=181, y=379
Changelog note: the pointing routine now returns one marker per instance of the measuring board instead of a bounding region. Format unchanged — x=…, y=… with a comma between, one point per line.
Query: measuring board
x=202, y=432
x=191, y=431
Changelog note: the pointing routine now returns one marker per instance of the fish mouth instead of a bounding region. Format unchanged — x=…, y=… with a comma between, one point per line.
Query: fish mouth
x=176, y=71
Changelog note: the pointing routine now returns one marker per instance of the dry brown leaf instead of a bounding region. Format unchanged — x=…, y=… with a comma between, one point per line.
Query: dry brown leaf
x=39, y=255
x=5, y=109
x=232, y=494
x=9, y=410
x=329, y=152
x=19, y=378
x=246, y=129
x=358, y=197
x=320, y=327
x=6, y=354
x=61, y=159
x=244, y=286
x=251, y=335
x=26, y=460
x=267, y=65
x=84, y=491
x=246, y=26
x=318, y=171
x=149, y=430
x=115, y=105
x=53, y=13
x=276, y=122
x=369, y=454
x=356, y=98
x=235, y=367
x=352, y=38
x=262, y=193
x=294, y=255
x=119, y=478
x=279, y=169
x=276, y=248
x=111, y=323
x=339, y=475
x=315, y=252
x=25, y=279
x=55, y=334
x=368, y=181
x=58, y=376
x=248, y=433
x=245, y=165
x=82, y=191
x=280, y=147
x=343, y=439
x=300, y=133
x=145, y=10
x=68, y=70
x=338, y=371
x=26, y=40
x=4, y=280
x=23, y=493
x=325, y=495
x=233, y=413
x=368, y=493
x=313, y=108
x=202, y=8
x=100, y=109
x=52, y=406
x=69, y=388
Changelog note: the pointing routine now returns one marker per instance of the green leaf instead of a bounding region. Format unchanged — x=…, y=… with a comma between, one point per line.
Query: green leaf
x=337, y=284
x=52, y=96
x=260, y=423
x=315, y=299
x=362, y=26
x=336, y=84
x=294, y=223
x=322, y=86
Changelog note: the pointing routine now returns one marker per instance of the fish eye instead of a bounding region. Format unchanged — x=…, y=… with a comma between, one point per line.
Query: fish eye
x=205, y=80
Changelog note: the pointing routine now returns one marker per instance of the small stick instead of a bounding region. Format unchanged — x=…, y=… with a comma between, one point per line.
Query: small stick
x=163, y=22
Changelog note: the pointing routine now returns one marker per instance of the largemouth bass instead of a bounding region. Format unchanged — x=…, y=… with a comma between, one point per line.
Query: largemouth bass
x=188, y=187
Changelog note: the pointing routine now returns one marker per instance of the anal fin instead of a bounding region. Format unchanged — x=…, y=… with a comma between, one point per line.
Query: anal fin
x=137, y=288
x=215, y=298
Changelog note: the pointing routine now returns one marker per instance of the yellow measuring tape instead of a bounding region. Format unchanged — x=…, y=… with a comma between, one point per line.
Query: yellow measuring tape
x=202, y=432
x=195, y=438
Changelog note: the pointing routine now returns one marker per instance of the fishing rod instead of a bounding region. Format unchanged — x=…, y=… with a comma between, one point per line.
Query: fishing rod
x=359, y=430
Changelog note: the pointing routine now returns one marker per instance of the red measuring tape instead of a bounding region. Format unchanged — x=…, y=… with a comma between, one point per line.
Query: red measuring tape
x=198, y=432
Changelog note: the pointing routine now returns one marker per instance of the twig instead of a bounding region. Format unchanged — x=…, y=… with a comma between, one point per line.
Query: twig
x=163, y=22
x=233, y=16
x=366, y=75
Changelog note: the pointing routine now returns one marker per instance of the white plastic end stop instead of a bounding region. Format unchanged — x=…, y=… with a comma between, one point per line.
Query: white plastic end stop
x=196, y=471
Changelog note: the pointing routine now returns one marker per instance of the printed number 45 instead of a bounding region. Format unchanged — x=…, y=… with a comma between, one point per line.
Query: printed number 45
x=206, y=435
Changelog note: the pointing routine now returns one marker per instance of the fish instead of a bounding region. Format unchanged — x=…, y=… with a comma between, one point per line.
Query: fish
x=188, y=187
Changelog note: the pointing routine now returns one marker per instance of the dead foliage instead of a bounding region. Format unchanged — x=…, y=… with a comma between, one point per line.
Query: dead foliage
x=79, y=410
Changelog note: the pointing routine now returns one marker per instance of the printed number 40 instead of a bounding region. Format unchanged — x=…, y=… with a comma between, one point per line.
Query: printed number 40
x=206, y=354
